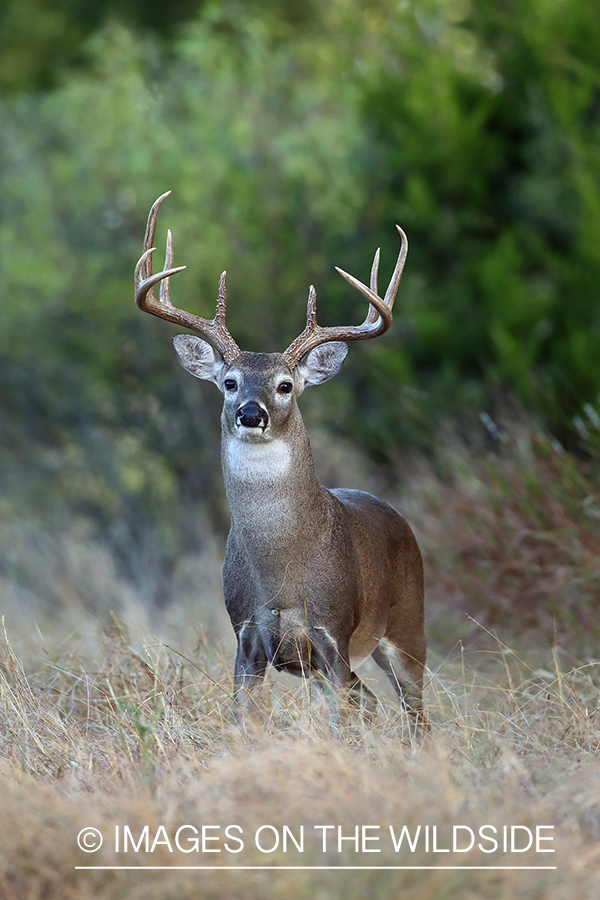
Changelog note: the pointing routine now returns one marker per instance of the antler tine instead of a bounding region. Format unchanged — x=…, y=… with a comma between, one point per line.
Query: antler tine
x=379, y=316
x=213, y=329
x=390, y=294
x=165, y=285
x=373, y=315
x=222, y=298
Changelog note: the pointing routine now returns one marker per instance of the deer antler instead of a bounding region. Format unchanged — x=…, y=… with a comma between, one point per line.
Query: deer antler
x=378, y=320
x=213, y=329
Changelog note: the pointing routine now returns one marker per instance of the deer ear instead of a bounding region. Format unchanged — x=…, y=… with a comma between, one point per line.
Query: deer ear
x=323, y=362
x=198, y=357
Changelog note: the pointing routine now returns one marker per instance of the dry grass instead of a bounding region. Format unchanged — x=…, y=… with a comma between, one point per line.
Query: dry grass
x=512, y=538
x=147, y=737
x=110, y=722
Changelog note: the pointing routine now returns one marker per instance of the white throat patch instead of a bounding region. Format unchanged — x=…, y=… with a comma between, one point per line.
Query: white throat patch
x=258, y=461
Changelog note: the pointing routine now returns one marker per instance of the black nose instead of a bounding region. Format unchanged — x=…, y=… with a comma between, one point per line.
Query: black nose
x=251, y=416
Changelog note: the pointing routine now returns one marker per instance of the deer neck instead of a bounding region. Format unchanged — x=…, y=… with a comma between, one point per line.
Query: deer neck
x=272, y=488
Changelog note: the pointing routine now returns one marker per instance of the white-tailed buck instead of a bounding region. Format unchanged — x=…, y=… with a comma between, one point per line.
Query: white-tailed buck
x=314, y=580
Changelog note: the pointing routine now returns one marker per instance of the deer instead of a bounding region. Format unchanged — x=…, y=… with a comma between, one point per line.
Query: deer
x=314, y=580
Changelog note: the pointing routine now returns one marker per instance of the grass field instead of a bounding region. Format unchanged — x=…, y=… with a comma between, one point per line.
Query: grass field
x=123, y=721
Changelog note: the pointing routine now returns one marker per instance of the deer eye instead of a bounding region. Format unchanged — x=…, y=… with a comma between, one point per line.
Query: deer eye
x=230, y=384
x=286, y=387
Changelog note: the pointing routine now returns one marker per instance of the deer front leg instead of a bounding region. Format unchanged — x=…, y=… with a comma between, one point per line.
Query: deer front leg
x=250, y=669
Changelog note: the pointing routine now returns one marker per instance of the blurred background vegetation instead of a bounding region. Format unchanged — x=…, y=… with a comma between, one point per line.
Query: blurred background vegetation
x=293, y=136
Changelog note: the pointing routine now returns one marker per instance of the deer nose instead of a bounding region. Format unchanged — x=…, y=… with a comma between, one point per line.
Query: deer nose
x=251, y=415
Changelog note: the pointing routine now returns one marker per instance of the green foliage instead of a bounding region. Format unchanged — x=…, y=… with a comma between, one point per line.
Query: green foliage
x=293, y=140
x=79, y=168
x=40, y=40
x=487, y=122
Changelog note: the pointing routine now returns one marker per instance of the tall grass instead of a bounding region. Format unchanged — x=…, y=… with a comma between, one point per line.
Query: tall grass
x=121, y=720
x=512, y=538
x=147, y=737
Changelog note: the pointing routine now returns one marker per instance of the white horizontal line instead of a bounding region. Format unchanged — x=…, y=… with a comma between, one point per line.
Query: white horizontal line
x=312, y=868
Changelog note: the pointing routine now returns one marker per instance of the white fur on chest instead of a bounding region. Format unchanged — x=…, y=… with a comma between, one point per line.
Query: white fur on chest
x=258, y=462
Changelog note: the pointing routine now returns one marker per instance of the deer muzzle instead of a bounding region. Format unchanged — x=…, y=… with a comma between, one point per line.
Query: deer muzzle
x=251, y=415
